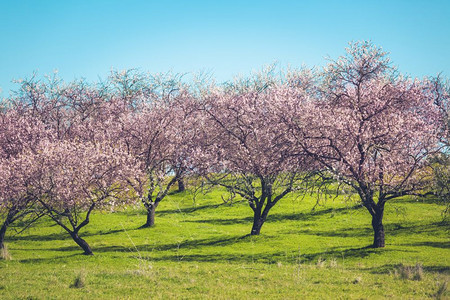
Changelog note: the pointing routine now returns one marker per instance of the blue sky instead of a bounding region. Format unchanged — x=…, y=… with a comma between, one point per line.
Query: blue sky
x=85, y=39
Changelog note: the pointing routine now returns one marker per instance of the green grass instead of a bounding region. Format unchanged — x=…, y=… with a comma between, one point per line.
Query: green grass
x=204, y=252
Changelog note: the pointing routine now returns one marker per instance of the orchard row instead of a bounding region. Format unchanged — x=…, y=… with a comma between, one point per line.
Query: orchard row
x=68, y=149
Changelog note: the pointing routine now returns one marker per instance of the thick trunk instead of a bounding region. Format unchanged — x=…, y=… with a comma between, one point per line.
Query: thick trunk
x=259, y=218
x=377, y=211
x=82, y=243
x=2, y=234
x=260, y=214
x=378, y=229
x=181, y=187
x=257, y=224
x=151, y=208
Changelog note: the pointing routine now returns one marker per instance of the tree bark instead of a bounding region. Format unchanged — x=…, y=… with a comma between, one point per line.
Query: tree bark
x=151, y=208
x=2, y=234
x=9, y=219
x=181, y=186
x=82, y=243
x=257, y=224
x=376, y=210
x=259, y=218
x=378, y=229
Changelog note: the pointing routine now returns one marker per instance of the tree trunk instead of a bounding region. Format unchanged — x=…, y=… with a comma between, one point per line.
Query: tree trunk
x=181, y=187
x=376, y=210
x=151, y=208
x=259, y=219
x=257, y=224
x=82, y=243
x=260, y=216
x=2, y=234
x=9, y=219
x=378, y=229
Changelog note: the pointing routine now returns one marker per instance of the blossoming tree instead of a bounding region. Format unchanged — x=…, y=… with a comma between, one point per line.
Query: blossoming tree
x=19, y=133
x=79, y=166
x=152, y=134
x=372, y=129
x=245, y=146
x=71, y=179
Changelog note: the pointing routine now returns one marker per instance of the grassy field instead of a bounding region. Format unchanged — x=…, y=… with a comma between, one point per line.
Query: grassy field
x=204, y=252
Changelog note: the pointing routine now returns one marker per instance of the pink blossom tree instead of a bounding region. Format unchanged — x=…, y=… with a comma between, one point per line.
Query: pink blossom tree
x=139, y=89
x=75, y=110
x=81, y=165
x=372, y=129
x=19, y=133
x=152, y=134
x=71, y=179
x=138, y=110
x=245, y=146
x=155, y=129
x=15, y=202
x=22, y=130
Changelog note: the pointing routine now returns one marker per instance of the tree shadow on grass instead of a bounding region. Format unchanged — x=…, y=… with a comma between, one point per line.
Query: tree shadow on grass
x=442, y=245
x=220, y=257
x=194, y=208
x=181, y=252
x=277, y=217
x=341, y=232
x=60, y=236
x=38, y=260
x=42, y=238
x=217, y=221
x=186, y=244
x=163, y=212
x=220, y=241
x=341, y=252
x=270, y=257
x=391, y=229
x=400, y=228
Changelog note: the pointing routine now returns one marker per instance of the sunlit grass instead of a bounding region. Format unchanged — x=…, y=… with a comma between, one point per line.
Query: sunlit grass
x=204, y=251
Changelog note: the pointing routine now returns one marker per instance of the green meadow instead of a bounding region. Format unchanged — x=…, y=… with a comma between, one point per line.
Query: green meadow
x=203, y=251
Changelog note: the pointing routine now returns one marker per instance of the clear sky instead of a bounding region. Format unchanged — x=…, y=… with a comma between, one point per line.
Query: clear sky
x=86, y=38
